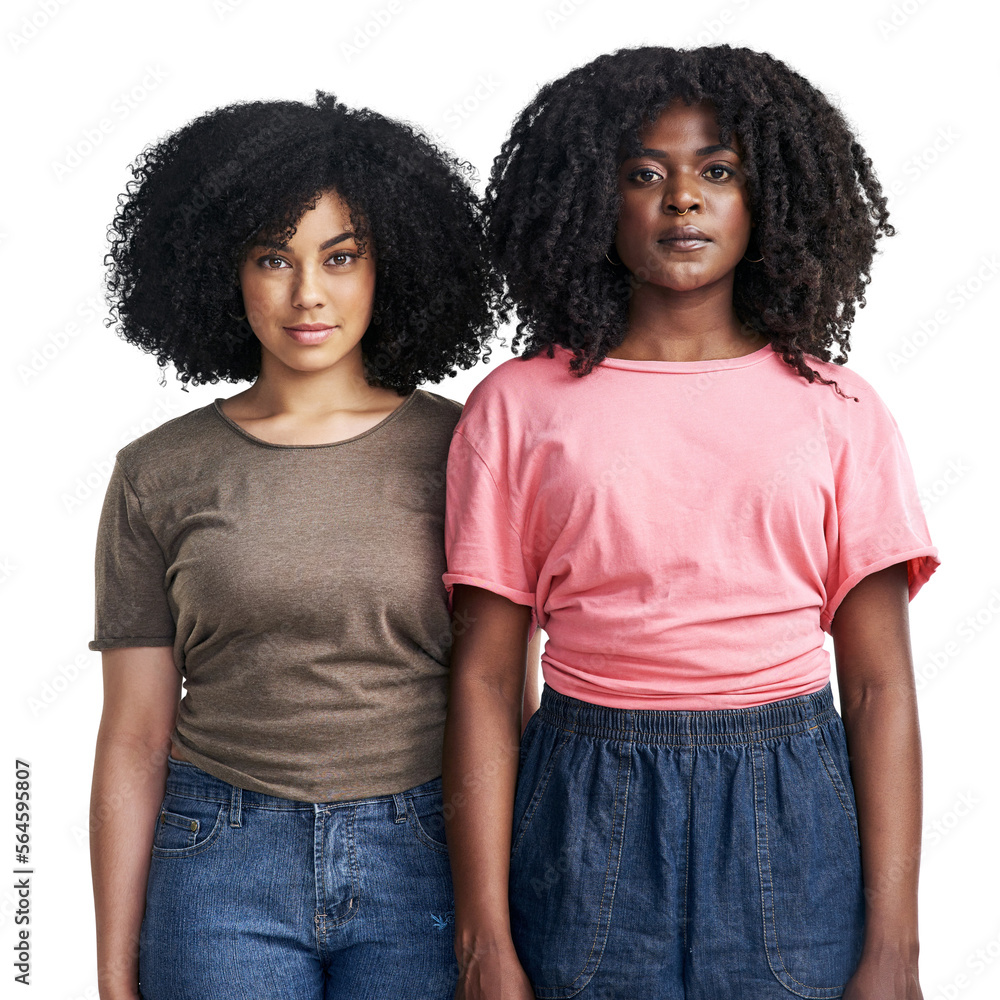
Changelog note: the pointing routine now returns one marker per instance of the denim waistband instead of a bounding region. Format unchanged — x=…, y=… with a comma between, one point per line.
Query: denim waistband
x=185, y=778
x=689, y=727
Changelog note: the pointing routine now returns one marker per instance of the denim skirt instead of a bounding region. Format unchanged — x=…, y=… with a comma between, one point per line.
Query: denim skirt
x=686, y=855
x=250, y=895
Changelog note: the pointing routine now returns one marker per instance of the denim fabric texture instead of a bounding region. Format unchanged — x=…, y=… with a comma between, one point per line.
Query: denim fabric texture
x=255, y=896
x=686, y=855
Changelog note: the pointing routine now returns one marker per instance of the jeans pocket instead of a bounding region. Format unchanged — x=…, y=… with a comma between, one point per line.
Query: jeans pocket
x=528, y=737
x=809, y=865
x=564, y=869
x=186, y=826
x=832, y=746
x=540, y=748
x=425, y=815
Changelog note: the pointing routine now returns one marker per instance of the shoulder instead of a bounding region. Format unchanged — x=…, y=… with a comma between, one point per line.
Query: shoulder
x=860, y=405
x=858, y=426
x=168, y=444
x=517, y=384
x=846, y=377
x=429, y=423
x=433, y=408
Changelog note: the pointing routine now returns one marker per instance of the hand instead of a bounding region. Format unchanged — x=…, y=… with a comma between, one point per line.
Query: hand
x=885, y=976
x=493, y=974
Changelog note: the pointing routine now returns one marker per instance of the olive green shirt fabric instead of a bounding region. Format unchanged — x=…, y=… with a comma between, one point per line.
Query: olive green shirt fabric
x=300, y=588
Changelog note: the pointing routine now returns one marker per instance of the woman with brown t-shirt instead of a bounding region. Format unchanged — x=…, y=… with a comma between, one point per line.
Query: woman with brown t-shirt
x=278, y=831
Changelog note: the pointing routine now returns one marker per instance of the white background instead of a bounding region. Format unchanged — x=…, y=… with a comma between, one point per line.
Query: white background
x=913, y=77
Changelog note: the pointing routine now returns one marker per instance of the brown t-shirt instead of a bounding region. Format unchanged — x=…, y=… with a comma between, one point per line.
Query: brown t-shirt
x=300, y=588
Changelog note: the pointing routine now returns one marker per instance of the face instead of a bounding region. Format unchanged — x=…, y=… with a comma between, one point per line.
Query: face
x=683, y=167
x=310, y=302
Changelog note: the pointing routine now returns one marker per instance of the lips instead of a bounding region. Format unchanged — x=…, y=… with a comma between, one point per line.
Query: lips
x=683, y=234
x=309, y=333
x=683, y=238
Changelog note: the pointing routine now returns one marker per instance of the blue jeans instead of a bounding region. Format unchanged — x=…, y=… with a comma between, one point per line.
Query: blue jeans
x=255, y=896
x=675, y=855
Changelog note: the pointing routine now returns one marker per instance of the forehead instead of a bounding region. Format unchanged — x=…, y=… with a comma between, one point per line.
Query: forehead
x=318, y=221
x=329, y=209
x=679, y=129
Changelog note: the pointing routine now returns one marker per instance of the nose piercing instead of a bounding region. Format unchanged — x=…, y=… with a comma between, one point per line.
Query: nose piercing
x=685, y=212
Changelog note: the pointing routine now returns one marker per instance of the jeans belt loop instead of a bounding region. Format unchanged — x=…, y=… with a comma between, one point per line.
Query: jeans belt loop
x=235, y=806
x=400, y=801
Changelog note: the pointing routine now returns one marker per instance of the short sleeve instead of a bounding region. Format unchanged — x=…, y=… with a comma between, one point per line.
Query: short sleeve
x=130, y=570
x=482, y=545
x=880, y=521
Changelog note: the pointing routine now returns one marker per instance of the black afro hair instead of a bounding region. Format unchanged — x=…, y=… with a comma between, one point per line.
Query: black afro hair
x=553, y=201
x=200, y=196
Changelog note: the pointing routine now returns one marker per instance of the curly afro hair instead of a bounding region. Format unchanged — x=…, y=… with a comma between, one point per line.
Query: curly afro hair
x=553, y=201
x=246, y=173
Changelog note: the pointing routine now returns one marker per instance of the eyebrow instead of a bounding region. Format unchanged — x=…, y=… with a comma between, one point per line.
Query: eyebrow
x=704, y=151
x=332, y=242
x=335, y=240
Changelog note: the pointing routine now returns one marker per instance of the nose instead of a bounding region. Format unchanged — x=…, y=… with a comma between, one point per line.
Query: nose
x=307, y=292
x=680, y=195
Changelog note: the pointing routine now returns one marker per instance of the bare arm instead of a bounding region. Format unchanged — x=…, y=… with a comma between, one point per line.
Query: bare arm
x=481, y=744
x=532, y=698
x=141, y=693
x=879, y=709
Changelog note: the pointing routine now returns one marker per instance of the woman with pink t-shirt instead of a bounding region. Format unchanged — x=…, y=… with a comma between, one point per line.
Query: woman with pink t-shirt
x=687, y=491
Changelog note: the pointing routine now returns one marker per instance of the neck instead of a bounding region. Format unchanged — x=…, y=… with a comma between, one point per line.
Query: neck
x=698, y=325
x=282, y=390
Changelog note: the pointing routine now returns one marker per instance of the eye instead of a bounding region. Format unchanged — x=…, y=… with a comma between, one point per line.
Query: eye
x=342, y=258
x=644, y=175
x=720, y=171
x=268, y=262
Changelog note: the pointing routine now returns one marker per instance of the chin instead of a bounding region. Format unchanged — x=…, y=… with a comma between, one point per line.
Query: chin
x=682, y=284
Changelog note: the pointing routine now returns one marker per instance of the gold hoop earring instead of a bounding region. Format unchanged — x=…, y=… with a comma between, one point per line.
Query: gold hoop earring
x=612, y=262
x=749, y=261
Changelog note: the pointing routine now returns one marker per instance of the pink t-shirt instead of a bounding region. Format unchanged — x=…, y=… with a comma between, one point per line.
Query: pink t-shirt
x=683, y=531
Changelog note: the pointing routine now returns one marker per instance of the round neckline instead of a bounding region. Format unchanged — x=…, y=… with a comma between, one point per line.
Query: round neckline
x=243, y=432
x=686, y=367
